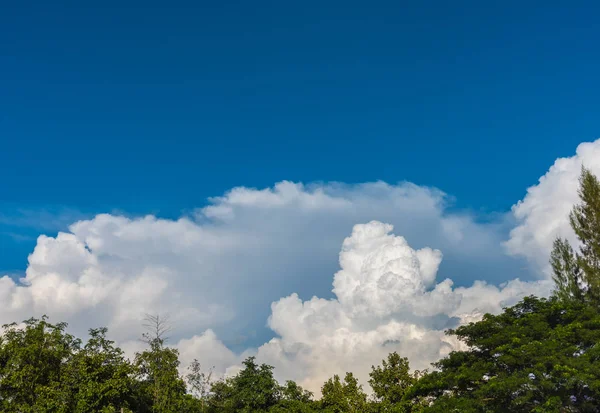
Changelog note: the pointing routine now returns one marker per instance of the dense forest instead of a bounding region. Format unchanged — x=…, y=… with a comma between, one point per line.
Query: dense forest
x=540, y=355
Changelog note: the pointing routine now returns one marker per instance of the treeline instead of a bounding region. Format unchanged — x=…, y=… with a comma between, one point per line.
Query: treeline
x=541, y=355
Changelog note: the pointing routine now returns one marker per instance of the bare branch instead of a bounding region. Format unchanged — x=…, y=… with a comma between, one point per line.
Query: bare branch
x=157, y=327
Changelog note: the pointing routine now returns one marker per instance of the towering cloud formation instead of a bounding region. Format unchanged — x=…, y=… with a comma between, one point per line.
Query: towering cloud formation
x=387, y=300
x=217, y=272
x=222, y=268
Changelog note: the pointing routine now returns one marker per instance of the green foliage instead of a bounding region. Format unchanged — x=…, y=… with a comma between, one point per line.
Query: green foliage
x=346, y=396
x=294, y=399
x=199, y=383
x=538, y=356
x=253, y=390
x=567, y=274
x=100, y=376
x=577, y=274
x=585, y=221
x=292, y=392
x=221, y=397
x=541, y=355
x=390, y=382
x=44, y=369
x=293, y=406
x=158, y=377
x=33, y=360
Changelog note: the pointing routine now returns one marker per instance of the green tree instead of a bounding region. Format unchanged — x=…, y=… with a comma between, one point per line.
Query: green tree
x=294, y=399
x=157, y=370
x=538, y=356
x=254, y=388
x=199, y=383
x=390, y=383
x=342, y=397
x=577, y=274
x=333, y=398
x=101, y=377
x=567, y=274
x=292, y=391
x=221, y=399
x=33, y=360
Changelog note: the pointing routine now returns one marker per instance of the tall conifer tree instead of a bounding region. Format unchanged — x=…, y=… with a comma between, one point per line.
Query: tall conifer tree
x=577, y=274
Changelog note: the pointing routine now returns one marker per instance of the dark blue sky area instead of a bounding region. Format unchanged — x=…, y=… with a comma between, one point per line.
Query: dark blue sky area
x=151, y=107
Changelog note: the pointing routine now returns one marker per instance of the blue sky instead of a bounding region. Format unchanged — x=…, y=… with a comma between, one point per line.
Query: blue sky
x=149, y=107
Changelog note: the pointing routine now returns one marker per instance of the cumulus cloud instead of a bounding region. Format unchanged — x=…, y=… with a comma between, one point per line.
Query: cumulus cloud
x=543, y=214
x=216, y=272
x=112, y=270
x=387, y=299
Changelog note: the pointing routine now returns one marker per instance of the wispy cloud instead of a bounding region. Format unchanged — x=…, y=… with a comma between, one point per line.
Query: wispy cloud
x=18, y=237
x=46, y=218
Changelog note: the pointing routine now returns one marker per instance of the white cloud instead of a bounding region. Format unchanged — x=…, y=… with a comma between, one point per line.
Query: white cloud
x=208, y=350
x=543, y=214
x=387, y=300
x=217, y=272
